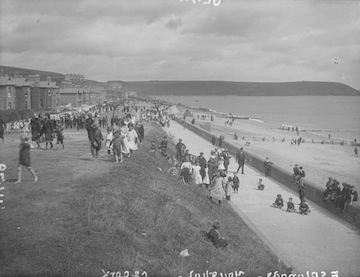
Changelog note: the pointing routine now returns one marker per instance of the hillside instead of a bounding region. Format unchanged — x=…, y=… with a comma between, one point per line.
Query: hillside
x=240, y=88
x=86, y=216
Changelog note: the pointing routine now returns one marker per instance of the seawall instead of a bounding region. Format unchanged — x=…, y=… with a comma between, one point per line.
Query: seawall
x=283, y=176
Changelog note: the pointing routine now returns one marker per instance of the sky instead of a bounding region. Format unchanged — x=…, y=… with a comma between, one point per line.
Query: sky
x=231, y=40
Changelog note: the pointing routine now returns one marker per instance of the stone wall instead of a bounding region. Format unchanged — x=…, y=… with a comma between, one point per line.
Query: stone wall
x=279, y=174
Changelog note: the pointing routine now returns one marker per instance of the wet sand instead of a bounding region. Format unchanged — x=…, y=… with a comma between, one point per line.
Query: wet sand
x=320, y=161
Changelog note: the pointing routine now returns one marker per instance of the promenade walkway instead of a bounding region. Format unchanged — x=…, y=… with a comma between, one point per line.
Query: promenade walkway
x=318, y=242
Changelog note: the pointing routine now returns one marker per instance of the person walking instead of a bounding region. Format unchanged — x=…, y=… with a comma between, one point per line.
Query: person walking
x=24, y=159
x=240, y=159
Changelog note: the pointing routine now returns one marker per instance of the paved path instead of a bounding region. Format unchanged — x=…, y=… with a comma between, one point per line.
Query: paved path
x=316, y=242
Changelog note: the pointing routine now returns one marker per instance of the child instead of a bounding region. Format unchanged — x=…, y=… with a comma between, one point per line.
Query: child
x=116, y=145
x=24, y=159
x=279, y=203
x=291, y=206
x=304, y=208
x=206, y=180
x=153, y=148
x=109, y=139
x=228, y=187
x=59, y=136
x=236, y=183
x=261, y=186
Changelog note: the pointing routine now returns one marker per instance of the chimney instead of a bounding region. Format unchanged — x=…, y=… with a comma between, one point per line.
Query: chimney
x=16, y=74
x=48, y=79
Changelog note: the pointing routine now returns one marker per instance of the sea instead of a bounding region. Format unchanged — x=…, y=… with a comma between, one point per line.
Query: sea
x=322, y=115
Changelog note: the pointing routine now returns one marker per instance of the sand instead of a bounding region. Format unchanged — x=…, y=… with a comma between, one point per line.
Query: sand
x=320, y=161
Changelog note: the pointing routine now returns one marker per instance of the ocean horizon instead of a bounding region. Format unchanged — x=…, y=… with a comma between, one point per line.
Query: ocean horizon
x=337, y=115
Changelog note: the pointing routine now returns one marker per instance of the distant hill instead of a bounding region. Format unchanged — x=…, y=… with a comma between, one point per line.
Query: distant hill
x=9, y=70
x=56, y=77
x=240, y=88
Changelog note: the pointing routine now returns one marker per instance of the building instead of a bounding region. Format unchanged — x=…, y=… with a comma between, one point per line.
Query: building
x=23, y=89
x=71, y=95
x=45, y=95
x=74, y=77
x=7, y=93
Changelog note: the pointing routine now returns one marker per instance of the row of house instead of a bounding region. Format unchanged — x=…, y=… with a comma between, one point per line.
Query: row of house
x=21, y=93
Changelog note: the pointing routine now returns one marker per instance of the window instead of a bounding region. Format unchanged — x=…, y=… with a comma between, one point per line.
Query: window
x=8, y=89
x=26, y=105
x=9, y=105
x=41, y=103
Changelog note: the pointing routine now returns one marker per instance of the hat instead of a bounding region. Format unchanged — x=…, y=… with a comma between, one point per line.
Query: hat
x=216, y=224
x=180, y=139
x=201, y=153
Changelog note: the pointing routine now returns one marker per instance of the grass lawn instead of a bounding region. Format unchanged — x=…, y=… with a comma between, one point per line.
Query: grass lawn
x=86, y=216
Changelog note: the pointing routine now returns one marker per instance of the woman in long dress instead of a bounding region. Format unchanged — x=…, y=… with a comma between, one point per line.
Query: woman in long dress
x=196, y=174
x=125, y=142
x=186, y=170
x=132, y=139
x=206, y=180
x=216, y=188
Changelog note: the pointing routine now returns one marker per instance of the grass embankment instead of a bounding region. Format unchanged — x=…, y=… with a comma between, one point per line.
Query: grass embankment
x=84, y=216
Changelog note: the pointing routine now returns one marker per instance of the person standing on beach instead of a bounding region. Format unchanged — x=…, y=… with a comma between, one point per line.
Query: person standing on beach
x=356, y=152
x=24, y=159
x=240, y=159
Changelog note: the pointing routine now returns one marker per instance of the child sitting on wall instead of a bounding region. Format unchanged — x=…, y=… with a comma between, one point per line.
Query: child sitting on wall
x=279, y=203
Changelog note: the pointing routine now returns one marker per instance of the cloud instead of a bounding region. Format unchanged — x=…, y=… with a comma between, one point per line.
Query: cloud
x=244, y=40
x=174, y=23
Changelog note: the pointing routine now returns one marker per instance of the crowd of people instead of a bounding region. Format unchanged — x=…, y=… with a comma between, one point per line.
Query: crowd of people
x=340, y=194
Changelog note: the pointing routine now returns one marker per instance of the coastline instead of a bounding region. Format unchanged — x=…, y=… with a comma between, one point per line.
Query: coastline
x=320, y=161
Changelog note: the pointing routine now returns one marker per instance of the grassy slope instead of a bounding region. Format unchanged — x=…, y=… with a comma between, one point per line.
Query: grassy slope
x=240, y=88
x=84, y=216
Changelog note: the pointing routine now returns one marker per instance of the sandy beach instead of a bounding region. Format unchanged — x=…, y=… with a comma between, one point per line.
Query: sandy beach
x=320, y=161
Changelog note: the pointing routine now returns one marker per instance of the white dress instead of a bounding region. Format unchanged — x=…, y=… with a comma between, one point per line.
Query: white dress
x=206, y=178
x=196, y=175
x=124, y=139
x=132, y=136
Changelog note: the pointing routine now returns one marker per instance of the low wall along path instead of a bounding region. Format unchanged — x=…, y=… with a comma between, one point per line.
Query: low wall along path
x=318, y=242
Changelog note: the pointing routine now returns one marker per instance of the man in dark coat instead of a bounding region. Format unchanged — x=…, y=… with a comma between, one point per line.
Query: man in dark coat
x=35, y=129
x=48, y=131
x=2, y=129
x=88, y=125
x=202, y=162
x=95, y=137
x=180, y=147
x=240, y=159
